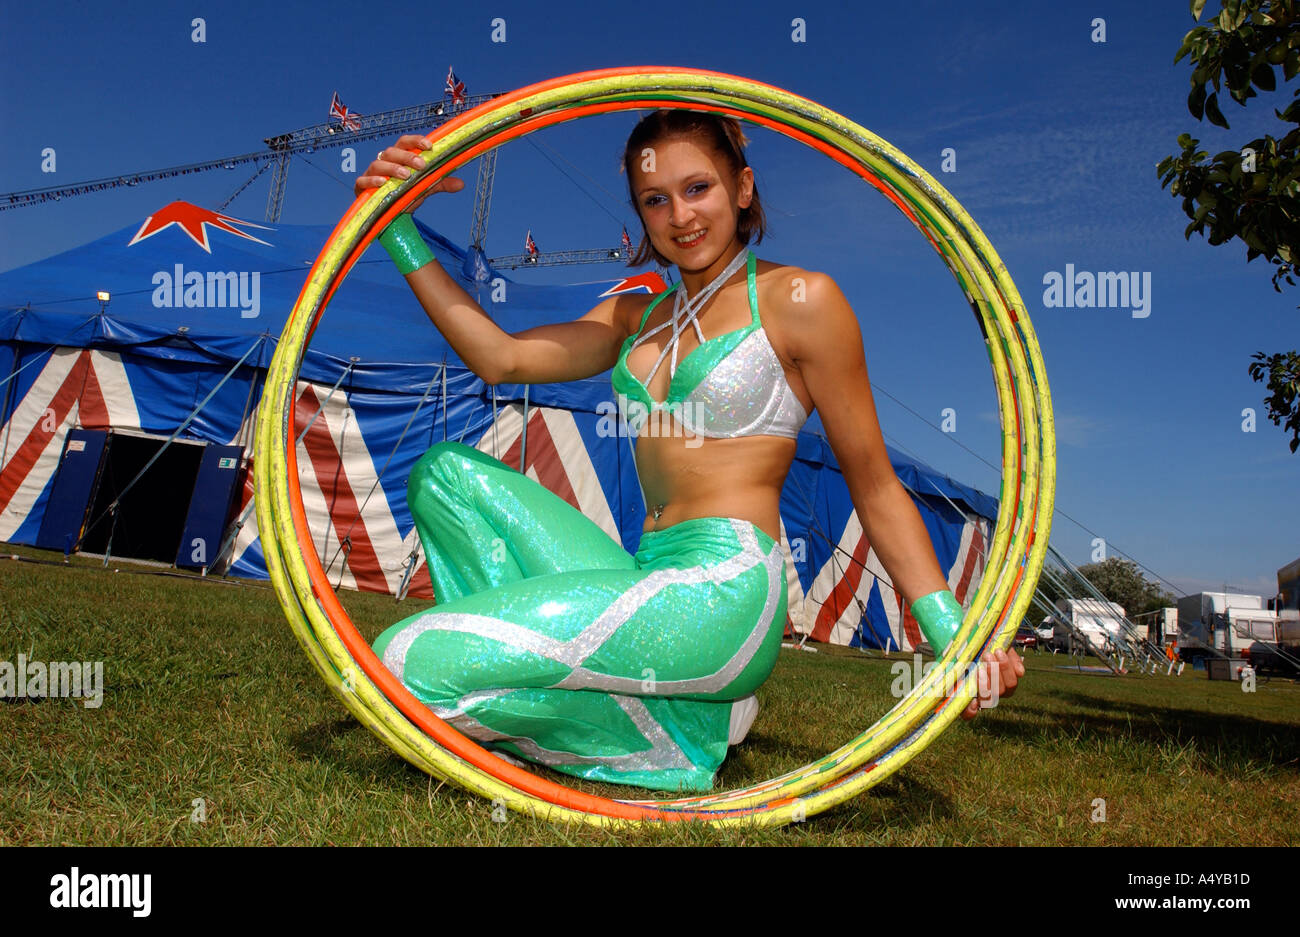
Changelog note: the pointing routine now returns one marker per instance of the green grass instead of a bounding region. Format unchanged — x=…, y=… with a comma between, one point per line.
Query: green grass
x=207, y=695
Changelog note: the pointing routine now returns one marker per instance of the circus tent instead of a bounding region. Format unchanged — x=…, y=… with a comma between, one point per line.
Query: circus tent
x=126, y=421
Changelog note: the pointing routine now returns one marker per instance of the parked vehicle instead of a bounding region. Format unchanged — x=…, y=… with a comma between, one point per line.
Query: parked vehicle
x=1268, y=660
x=1224, y=624
x=1087, y=625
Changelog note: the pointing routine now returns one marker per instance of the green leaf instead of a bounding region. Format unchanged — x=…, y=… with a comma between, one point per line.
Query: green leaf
x=1196, y=102
x=1197, y=6
x=1213, y=113
x=1235, y=68
x=1263, y=78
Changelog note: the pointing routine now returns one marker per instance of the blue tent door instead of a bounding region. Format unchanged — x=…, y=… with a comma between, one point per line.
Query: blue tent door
x=74, y=485
x=214, y=489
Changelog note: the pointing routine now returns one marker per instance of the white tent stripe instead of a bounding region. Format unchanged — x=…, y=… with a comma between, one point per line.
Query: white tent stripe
x=580, y=469
x=116, y=388
x=35, y=407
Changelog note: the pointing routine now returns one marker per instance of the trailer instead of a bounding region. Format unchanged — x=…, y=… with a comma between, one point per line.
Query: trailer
x=1274, y=646
x=1288, y=586
x=1090, y=625
x=1226, y=624
x=1160, y=626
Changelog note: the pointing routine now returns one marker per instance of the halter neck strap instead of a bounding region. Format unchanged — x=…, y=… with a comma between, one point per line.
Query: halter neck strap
x=685, y=311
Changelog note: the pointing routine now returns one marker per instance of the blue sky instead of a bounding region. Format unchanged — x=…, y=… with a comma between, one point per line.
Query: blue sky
x=1056, y=140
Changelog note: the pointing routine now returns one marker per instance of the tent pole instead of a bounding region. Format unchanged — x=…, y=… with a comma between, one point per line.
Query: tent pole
x=244, y=428
x=329, y=508
x=408, y=573
x=387, y=462
x=254, y=394
x=444, y=397
x=523, y=437
x=108, y=547
x=238, y=523
x=346, y=549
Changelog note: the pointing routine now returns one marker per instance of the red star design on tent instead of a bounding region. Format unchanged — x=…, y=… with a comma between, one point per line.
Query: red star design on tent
x=193, y=220
x=650, y=282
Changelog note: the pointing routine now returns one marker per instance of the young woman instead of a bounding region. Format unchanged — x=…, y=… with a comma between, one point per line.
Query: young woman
x=548, y=640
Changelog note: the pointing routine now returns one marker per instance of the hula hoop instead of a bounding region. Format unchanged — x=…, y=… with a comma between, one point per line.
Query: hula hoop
x=1015, y=558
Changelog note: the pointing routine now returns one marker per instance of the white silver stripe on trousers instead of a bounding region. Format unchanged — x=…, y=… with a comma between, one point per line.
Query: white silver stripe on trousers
x=574, y=652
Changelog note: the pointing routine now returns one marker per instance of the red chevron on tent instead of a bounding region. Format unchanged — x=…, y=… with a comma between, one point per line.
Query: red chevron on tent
x=554, y=455
x=847, y=581
x=843, y=595
x=79, y=389
x=76, y=388
x=343, y=502
x=346, y=522
x=543, y=458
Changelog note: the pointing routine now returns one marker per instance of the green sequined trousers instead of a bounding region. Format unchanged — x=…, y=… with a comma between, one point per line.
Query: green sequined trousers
x=550, y=642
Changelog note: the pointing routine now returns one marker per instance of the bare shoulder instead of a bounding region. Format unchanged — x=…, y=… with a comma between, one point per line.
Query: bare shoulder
x=623, y=311
x=802, y=309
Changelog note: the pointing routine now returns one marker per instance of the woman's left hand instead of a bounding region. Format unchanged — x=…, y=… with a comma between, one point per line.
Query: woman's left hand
x=1005, y=668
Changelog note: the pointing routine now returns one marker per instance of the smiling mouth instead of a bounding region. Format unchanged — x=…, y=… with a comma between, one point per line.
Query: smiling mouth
x=692, y=238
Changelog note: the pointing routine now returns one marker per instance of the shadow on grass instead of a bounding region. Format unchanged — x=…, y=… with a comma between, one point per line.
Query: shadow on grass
x=325, y=740
x=898, y=804
x=903, y=802
x=1225, y=740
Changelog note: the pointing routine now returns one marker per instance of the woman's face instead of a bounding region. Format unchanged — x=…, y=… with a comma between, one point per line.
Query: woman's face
x=689, y=200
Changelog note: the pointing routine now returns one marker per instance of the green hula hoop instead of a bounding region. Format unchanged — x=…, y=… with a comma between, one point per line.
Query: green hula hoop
x=1015, y=556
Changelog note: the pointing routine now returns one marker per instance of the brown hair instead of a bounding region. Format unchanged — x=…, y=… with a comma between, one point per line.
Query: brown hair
x=723, y=135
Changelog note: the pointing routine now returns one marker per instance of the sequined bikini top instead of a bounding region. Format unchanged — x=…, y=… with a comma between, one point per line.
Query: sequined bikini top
x=732, y=385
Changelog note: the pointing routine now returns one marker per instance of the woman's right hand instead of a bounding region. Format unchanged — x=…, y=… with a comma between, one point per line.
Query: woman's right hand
x=399, y=161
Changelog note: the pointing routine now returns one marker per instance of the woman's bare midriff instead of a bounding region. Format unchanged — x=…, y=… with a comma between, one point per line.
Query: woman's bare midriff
x=688, y=477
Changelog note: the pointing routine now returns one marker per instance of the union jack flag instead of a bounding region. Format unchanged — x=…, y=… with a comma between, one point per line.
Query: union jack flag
x=529, y=244
x=350, y=120
x=627, y=241
x=455, y=87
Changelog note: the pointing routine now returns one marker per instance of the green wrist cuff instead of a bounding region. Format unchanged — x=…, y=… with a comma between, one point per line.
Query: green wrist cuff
x=939, y=616
x=403, y=242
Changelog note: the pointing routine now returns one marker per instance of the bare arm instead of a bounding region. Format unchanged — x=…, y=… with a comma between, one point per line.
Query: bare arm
x=826, y=342
x=558, y=352
x=564, y=351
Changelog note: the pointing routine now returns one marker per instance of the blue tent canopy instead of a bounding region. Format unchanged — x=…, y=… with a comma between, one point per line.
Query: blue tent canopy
x=180, y=317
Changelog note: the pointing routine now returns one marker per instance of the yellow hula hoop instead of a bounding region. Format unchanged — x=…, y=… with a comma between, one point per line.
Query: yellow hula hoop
x=1015, y=555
